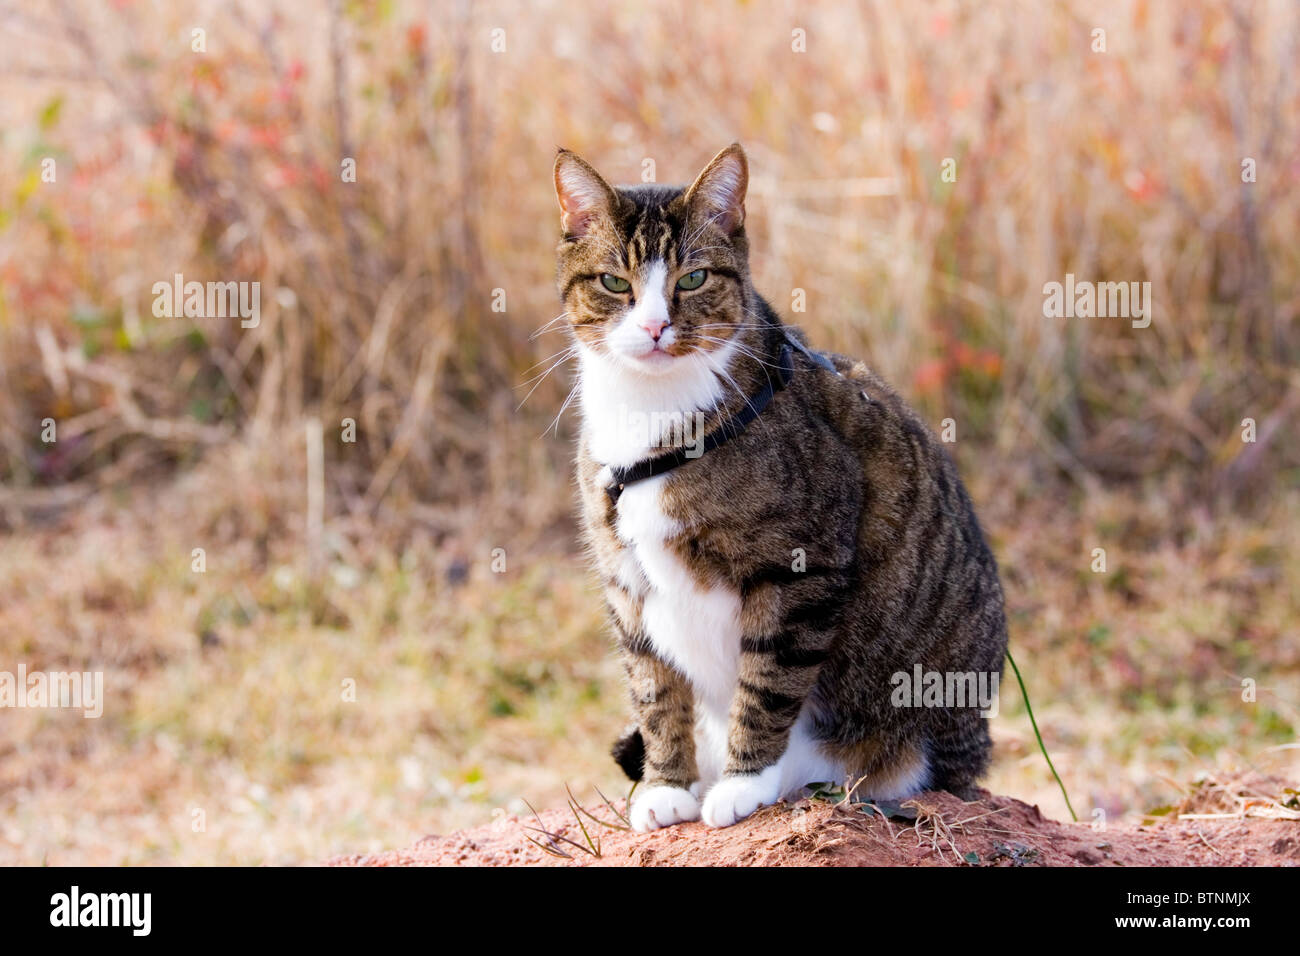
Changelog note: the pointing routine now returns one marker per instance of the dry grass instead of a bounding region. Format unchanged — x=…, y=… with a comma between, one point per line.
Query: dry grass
x=475, y=690
x=225, y=690
x=379, y=295
x=940, y=830
x=1245, y=795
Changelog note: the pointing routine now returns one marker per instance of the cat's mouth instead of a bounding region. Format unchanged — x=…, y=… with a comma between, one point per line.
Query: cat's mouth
x=656, y=357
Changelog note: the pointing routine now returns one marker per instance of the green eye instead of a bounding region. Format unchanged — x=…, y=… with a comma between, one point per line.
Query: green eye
x=614, y=283
x=692, y=280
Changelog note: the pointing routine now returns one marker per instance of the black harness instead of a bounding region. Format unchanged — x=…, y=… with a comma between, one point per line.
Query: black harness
x=729, y=429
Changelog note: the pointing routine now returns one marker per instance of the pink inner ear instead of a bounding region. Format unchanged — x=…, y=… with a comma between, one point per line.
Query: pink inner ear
x=729, y=219
x=723, y=193
x=580, y=201
x=577, y=222
x=726, y=218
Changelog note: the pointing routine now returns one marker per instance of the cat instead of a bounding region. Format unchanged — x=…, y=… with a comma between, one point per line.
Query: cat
x=779, y=536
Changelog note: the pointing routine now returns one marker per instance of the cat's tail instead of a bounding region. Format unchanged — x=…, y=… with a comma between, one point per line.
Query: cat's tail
x=629, y=753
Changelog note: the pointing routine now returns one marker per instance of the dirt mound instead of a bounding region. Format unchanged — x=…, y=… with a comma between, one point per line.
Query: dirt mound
x=934, y=829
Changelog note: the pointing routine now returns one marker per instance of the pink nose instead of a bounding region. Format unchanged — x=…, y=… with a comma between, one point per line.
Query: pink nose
x=655, y=327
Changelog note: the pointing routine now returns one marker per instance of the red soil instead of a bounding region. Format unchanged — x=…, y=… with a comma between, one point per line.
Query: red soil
x=941, y=831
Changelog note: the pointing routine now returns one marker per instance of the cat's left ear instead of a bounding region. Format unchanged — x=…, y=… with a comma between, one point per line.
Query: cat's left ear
x=583, y=194
x=719, y=191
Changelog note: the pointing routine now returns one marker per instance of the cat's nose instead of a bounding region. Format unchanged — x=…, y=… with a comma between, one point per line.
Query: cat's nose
x=655, y=326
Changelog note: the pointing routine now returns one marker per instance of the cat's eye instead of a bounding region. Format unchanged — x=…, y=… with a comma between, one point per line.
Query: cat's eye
x=692, y=280
x=614, y=283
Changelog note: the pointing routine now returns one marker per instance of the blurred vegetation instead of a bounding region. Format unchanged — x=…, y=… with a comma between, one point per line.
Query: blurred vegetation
x=378, y=295
x=378, y=306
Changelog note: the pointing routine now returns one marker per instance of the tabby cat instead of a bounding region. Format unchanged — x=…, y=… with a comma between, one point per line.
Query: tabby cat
x=779, y=536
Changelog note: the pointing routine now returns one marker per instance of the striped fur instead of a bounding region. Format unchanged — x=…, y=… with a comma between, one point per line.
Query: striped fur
x=765, y=595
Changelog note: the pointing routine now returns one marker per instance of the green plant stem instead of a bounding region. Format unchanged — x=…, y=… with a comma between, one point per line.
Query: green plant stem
x=1041, y=746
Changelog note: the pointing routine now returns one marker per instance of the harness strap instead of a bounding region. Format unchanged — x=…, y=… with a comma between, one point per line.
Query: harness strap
x=729, y=429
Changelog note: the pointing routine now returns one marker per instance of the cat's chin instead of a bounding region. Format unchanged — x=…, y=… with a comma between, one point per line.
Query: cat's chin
x=654, y=362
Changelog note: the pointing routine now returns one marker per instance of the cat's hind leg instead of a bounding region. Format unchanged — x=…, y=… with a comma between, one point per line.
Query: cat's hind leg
x=908, y=774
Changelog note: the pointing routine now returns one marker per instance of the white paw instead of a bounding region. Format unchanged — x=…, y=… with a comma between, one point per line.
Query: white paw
x=663, y=806
x=733, y=798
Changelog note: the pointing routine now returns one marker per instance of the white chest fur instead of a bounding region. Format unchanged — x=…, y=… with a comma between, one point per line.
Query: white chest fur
x=694, y=627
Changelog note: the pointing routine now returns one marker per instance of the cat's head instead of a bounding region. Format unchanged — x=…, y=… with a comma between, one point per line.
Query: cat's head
x=651, y=275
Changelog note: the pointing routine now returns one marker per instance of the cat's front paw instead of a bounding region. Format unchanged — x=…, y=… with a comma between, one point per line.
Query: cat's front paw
x=662, y=806
x=736, y=796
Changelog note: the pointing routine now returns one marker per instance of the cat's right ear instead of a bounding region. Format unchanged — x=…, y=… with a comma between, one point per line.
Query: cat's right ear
x=583, y=195
x=719, y=191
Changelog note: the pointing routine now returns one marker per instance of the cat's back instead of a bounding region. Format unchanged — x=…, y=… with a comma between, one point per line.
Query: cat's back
x=921, y=554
